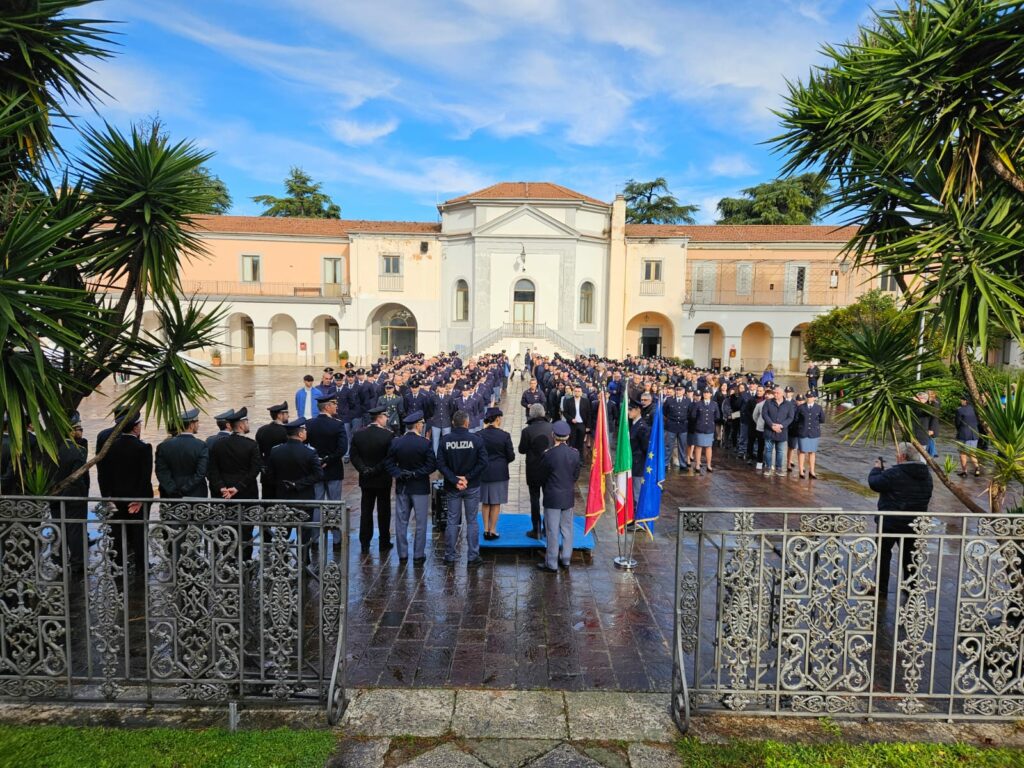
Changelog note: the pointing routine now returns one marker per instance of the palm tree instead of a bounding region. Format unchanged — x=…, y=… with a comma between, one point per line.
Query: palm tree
x=80, y=258
x=919, y=124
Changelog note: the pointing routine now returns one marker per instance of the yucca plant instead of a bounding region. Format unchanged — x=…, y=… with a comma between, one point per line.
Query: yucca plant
x=82, y=258
x=1003, y=456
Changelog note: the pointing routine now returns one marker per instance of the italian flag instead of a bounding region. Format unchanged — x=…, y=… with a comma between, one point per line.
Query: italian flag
x=623, y=468
x=601, y=466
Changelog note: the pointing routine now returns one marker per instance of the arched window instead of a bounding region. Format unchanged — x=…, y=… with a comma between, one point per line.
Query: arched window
x=587, y=303
x=461, y=301
x=524, y=291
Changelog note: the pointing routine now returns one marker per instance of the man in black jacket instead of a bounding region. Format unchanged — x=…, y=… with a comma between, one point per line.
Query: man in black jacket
x=534, y=440
x=559, y=470
x=905, y=487
x=234, y=468
x=410, y=461
x=676, y=412
x=127, y=472
x=326, y=435
x=576, y=412
x=368, y=454
x=293, y=469
x=462, y=459
x=182, y=461
x=268, y=437
x=639, y=438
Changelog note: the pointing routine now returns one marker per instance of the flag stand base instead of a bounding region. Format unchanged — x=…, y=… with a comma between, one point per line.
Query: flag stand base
x=625, y=563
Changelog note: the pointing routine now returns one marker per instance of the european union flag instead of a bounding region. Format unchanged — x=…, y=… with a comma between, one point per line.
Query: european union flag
x=649, y=504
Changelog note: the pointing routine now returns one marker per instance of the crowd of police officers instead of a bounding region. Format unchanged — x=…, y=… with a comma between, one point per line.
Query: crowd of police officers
x=401, y=420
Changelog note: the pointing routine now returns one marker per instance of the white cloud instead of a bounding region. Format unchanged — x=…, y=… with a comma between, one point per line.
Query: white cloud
x=134, y=90
x=730, y=165
x=355, y=133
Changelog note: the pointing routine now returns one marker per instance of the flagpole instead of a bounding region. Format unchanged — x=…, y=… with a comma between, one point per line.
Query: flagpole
x=625, y=539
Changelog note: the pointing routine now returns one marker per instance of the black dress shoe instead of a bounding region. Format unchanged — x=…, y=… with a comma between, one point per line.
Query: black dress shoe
x=385, y=548
x=544, y=567
x=418, y=560
x=495, y=536
x=364, y=550
x=476, y=562
x=532, y=534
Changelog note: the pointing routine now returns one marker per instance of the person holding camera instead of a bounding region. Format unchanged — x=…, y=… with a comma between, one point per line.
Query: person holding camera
x=904, y=487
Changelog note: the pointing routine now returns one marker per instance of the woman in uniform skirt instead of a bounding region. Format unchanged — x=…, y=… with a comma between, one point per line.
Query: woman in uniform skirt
x=494, y=481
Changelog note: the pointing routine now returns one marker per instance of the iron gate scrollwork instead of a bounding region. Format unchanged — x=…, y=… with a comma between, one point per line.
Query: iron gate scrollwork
x=237, y=601
x=779, y=611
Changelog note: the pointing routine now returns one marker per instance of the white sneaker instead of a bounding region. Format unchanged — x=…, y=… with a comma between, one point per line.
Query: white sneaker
x=768, y=473
x=759, y=466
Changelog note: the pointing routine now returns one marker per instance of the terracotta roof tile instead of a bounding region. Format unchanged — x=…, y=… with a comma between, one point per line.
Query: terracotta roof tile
x=525, y=190
x=271, y=225
x=745, y=233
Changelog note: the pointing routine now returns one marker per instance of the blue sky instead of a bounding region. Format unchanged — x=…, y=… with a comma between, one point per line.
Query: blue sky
x=397, y=104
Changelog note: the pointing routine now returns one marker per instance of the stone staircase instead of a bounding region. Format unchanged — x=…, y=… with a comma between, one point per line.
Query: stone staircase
x=513, y=337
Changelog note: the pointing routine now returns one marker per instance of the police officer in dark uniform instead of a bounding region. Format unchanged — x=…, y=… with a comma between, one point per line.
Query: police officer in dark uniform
x=639, y=437
x=410, y=461
x=268, y=437
x=182, y=461
x=127, y=472
x=462, y=459
x=530, y=396
x=71, y=456
x=534, y=440
x=676, y=411
x=559, y=470
x=326, y=435
x=417, y=399
x=369, y=451
x=235, y=467
x=293, y=469
x=223, y=429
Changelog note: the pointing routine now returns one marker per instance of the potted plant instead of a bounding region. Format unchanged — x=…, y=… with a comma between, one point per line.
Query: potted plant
x=215, y=357
x=343, y=356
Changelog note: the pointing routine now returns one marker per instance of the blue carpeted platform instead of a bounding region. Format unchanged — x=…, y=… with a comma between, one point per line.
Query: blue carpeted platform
x=512, y=530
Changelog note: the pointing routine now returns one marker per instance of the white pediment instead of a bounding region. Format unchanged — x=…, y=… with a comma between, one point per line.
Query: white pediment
x=526, y=221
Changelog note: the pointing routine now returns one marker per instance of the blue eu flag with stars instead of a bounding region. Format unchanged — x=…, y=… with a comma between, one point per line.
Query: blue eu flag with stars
x=649, y=503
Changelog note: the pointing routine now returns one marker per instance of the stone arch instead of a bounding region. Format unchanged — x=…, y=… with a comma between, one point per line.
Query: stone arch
x=393, y=329
x=649, y=333
x=241, y=339
x=797, y=356
x=326, y=340
x=284, y=340
x=756, y=347
x=709, y=345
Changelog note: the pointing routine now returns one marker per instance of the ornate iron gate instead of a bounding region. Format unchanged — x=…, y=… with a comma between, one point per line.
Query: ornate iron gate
x=233, y=601
x=779, y=611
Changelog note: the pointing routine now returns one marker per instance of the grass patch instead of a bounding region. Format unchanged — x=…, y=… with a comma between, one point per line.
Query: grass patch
x=46, y=746
x=771, y=754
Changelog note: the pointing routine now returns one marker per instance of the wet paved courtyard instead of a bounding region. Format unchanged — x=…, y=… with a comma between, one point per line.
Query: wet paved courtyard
x=507, y=624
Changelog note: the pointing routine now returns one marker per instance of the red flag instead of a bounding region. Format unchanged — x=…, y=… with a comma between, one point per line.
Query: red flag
x=601, y=466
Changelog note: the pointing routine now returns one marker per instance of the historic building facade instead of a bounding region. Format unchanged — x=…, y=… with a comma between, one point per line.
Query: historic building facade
x=519, y=265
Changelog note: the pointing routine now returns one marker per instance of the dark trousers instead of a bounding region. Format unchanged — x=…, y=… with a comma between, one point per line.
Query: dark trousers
x=906, y=546
x=577, y=437
x=381, y=499
x=75, y=514
x=755, y=445
x=535, y=506
x=134, y=535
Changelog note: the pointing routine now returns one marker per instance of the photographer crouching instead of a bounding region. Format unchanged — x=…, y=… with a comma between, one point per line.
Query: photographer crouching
x=904, y=487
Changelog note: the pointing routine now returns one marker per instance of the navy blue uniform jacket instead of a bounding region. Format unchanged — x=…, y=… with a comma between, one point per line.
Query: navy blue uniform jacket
x=809, y=419
x=411, y=461
x=639, y=437
x=560, y=469
x=704, y=416
x=327, y=437
x=676, y=413
x=500, y=454
x=293, y=470
x=461, y=452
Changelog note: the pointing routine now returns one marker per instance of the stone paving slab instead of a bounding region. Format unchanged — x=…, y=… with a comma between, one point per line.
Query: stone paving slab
x=565, y=756
x=509, y=753
x=616, y=716
x=510, y=714
x=393, y=712
x=360, y=754
x=445, y=756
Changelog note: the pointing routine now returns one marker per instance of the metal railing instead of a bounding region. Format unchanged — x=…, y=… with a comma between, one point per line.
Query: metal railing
x=391, y=282
x=525, y=330
x=772, y=283
x=788, y=611
x=216, y=602
x=652, y=288
x=240, y=288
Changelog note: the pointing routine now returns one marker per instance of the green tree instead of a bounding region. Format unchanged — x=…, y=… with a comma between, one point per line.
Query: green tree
x=651, y=202
x=826, y=336
x=919, y=123
x=220, y=198
x=796, y=200
x=303, y=198
x=81, y=256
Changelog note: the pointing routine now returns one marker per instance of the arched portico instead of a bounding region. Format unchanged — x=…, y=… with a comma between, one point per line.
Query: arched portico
x=797, y=359
x=392, y=330
x=709, y=346
x=326, y=340
x=284, y=340
x=649, y=334
x=756, y=347
x=241, y=339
